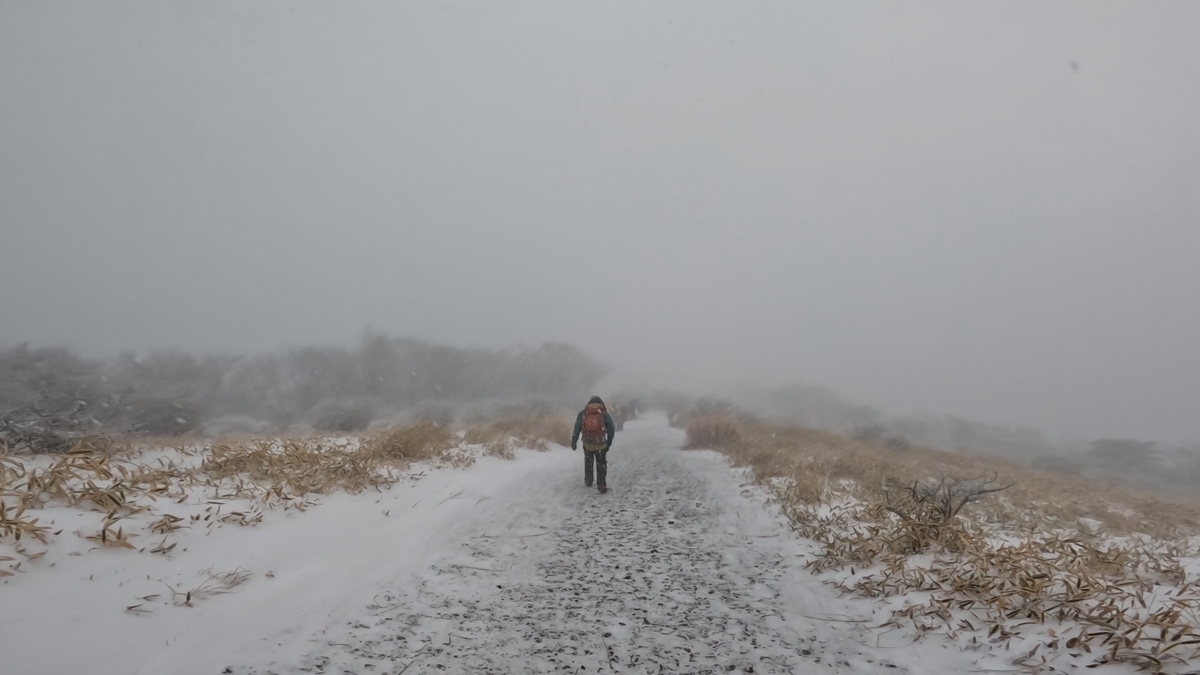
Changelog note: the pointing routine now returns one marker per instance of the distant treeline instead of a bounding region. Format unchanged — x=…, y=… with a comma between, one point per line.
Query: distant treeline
x=50, y=396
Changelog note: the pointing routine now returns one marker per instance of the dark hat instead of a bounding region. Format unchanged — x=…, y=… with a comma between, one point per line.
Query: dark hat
x=596, y=399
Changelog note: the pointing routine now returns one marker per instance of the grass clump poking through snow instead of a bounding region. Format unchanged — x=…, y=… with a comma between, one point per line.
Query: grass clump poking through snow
x=1060, y=570
x=533, y=430
x=214, y=584
x=294, y=468
x=414, y=443
x=156, y=493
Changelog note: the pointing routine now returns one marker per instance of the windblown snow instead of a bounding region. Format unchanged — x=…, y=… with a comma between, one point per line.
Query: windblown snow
x=504, y=567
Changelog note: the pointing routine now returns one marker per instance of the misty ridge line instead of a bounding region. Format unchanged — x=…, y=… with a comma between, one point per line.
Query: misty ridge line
x=1129, y=460
x=50, y=397
x=1175, y=466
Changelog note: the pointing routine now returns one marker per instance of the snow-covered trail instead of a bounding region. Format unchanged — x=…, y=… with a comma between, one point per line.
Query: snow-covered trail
x=679, y=569
x=503, y=567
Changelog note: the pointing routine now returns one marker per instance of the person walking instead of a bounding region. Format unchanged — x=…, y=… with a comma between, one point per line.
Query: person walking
x=596, y=427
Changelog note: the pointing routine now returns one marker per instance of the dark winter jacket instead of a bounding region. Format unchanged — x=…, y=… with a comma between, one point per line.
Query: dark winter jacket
x=609, y=426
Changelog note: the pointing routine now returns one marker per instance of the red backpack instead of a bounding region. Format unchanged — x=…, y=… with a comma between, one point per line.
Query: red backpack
x=594, y=430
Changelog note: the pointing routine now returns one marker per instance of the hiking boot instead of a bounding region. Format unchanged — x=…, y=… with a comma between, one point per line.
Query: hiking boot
x=603, y=489
x=587, y=483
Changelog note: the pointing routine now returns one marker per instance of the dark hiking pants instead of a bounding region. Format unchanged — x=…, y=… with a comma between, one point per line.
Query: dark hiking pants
x=600, y=459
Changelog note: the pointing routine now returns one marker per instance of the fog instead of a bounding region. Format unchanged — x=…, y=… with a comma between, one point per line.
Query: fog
x=985, y=211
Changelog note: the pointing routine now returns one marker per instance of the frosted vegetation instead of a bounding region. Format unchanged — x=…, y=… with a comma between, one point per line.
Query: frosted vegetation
x=50, y=397
x=1142, y=461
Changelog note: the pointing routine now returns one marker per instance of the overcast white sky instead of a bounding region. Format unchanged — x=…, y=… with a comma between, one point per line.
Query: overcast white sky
x=985, y=209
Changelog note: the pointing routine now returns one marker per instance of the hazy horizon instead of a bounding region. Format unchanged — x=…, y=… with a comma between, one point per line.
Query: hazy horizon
x=990, y=211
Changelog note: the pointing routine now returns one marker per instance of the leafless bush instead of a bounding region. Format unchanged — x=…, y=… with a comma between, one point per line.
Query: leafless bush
x=48, y=398
x=928, y=511
x=1126, y=457
x=34, y=436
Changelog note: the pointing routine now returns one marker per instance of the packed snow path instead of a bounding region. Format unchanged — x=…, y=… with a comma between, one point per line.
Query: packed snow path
x=674, y=571
x=502, y=567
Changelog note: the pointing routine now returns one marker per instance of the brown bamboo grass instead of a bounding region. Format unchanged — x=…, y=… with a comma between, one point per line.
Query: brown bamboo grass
x=529, y=431
x=214, y=584
x=119, y=481
x=1116, y=592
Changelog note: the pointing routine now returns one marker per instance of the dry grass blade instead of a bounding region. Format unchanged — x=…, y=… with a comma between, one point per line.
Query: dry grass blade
x=11, y=471
x=1043, y=549
x=97, y=474
x=215, y=583
x=14, y=523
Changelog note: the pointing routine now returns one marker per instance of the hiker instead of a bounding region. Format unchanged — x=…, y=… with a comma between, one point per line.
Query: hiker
x=597, y=428
x=620, y=414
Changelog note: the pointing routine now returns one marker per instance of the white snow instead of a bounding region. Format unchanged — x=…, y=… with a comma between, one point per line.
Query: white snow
x=503, y=567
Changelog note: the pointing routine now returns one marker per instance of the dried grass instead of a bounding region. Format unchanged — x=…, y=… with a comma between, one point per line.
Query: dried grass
x=533, y=431
x=290, y=469
x=414, y=443
x=14, y=523
x=995, y=562
x=99, y=474
x=502, y=448
x=824, y=465
x=718, y=432
x=214, y=584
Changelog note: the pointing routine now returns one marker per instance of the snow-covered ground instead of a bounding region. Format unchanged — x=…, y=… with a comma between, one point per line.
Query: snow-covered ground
x=503, y=567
